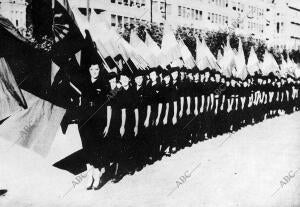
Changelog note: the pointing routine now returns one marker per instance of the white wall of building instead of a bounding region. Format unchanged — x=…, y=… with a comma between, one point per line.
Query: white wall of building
x=15, y=11
x=256, y=18
x=286, y=24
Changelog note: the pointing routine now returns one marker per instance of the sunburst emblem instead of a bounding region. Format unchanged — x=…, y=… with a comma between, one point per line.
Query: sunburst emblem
x=60, y=28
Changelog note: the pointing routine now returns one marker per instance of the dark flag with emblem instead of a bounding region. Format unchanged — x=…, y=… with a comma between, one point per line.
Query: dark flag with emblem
x=54, y=20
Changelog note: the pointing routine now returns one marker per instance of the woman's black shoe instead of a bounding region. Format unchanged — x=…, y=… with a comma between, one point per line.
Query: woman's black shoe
x=3, y=192
x=90, y=187
x=103, y=180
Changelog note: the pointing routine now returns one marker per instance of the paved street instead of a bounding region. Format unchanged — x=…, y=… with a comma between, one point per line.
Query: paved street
x=257, y=166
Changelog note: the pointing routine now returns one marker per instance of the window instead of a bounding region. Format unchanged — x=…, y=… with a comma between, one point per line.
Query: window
x=113, y=1
x=113, y=20
x=155, y=6
x=208, y=16
x=169, y=9
x=179, y=11
x=120, y=22
x=193, y=14
x=197, y=14
x=188, y=13
x=183, y=11
x=126, y=21
x=200, y=15
x=143, y=2
x=162, y=6
x=132, y=22
x=131, y=3
x=212, y=17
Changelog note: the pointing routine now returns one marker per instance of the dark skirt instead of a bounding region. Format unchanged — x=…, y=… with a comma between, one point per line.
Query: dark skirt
x=91, y=126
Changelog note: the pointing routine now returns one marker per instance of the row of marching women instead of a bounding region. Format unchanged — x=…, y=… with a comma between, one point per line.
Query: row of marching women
x=142, y=102
x=131, y=119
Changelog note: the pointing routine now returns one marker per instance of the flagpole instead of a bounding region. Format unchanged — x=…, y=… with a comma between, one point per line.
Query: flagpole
x=151, y=5
x=88, y=10
x=53, y=7
x=182, y=42
x=107, y=53
x=165, y=9
x=104, y=61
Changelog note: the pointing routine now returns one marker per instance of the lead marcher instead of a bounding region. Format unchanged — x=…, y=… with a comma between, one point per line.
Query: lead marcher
x=91, y=123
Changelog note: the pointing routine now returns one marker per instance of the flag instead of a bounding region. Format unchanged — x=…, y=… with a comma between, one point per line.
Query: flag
x=290, y=66
x=9, y=92
x=219, y=56
x=269, y=64
x=253, y=62
x=100, y=34
x=154, y=48
x=142, y=49
x=29, y=66
x=187, y=56
x=283, y=68
x=211, y=58
x=227, y=63
x=169, y=47
x=202, y=61
x=240, y=62
x=297, y=71
x=35, y=127
x=9, y=27
x=57, y=22
x=111, y=45
x=11, y=97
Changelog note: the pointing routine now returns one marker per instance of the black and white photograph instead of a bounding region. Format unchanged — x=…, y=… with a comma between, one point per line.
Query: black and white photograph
x=150, y=103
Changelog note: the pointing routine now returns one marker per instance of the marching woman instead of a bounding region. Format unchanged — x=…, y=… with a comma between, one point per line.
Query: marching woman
x=165, y=127
x=112, y=129
x=189, y=105
x=91, y=123
x=174, y=108
x=143, y=107
x=129, y=123
x=105, y=152
x=195, y=123
x=153, y=89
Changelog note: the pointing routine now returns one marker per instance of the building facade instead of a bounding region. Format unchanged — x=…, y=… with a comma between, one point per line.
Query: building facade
x=257, y=18
x=286, y=24
x=15, y=11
